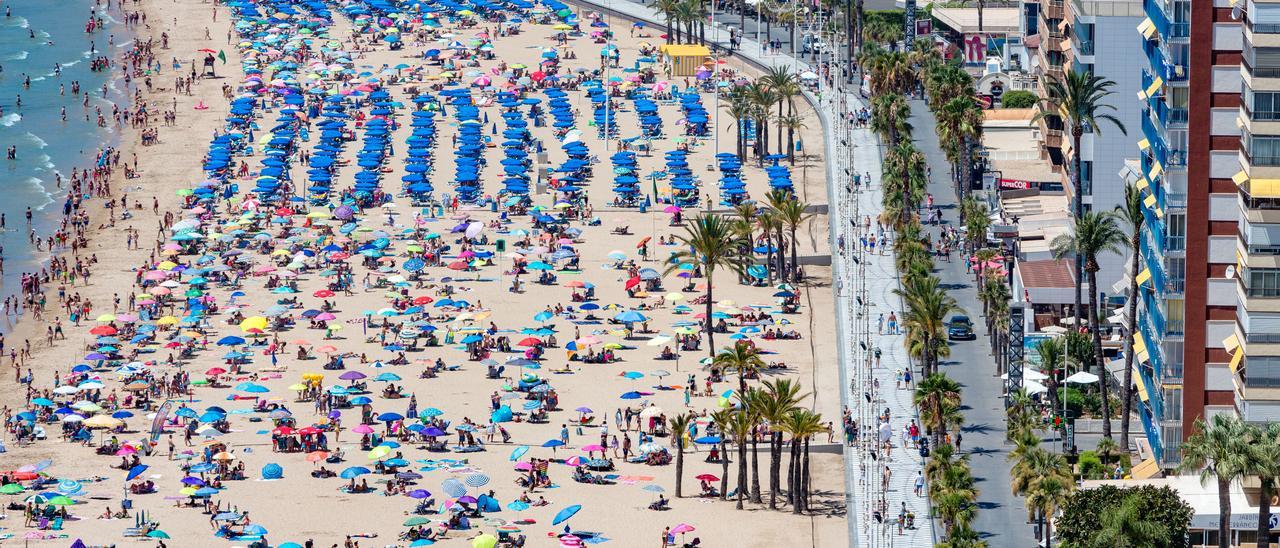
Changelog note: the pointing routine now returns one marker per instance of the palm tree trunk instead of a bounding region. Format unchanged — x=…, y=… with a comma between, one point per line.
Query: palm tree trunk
x=794, y=485
x=775, y=465
x=755, y=467
x=742, y=472
x=1097, y=352
x=804, y=477
x=724, y=470
x=768, y=254
x=679, y=466
x=795, y=261
x=1076, y=133
x=940, y=426
x=1136, y=244
x=791, y=146
x=782, y=257
x=711, y=336
x=1264, y=513
x=1224, y=513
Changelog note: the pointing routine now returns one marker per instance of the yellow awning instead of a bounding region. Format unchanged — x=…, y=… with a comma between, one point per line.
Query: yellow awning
x=1156, y=170
x=1139, y=343
x=1142, y=386
x=1159, y=212
x=684, y=50
x=1231, y=343
x=1144, y=144
x=1065, y=44
x=1142, y=95
x=1234, y=364
x=1062, y=25
x=1155, y=86
x=1147, y=28
x=1240, y=178
x=1144, y=276
x=1150, y=200
x=1143, y=184
x=1145, y=469
x=1264, y=188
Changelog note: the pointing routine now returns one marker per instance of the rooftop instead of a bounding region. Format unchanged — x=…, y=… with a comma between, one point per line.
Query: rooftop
x=1048, y=274
x=965, y=20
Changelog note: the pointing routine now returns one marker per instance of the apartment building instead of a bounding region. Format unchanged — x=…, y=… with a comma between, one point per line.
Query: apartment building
x=1188, y=343
x=1093, y=36
x=1254, y=344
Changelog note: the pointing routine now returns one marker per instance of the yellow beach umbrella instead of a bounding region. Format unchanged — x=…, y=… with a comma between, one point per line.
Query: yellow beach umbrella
x=256, y=322
x=167, y=320
x=107, y=318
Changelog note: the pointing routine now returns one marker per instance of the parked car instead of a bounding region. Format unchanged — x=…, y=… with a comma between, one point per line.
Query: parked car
x=959, y=328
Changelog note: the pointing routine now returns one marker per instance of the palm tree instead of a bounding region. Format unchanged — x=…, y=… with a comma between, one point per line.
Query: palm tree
x=1048, y=495
x=1126, y=526
x=785, y=87
x=1095, y=233
x=779, y=398
x=721, y=419
x=668, y=10
x=801, y=424
x=792, y=214
x=954, y=495
x=903, y=180
x=739, y=108
x=753, y=401
x=792, y=123
x=1219, y=450
x=762, y=98
x=1079, y=98
x=708, y=242
x=679, y=428
x=741, y=423
x=1131, y=211
x=932, y=396
x=962, y=537
x=959, y=123
x=1053, y=358
x=927, y=308
x=889, y=116
x=1265, y=464
x=770, y=226
x=741, y=358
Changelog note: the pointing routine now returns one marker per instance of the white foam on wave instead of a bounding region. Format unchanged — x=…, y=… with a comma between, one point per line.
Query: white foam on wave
x=40, y=143
x=38, y=184
x=16, y=56
x=45, y=163
x=20, y=22
x=10, y=119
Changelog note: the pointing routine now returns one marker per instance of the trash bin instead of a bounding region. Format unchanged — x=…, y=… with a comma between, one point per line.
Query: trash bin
x=643, y=208
x=493, y=206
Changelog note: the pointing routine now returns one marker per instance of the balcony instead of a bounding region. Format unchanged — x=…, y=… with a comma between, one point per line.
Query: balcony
x=1053, y=9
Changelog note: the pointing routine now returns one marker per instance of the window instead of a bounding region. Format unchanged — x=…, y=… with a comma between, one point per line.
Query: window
x=1263, y=18
x=1262, y=62
x=1262, y=105
x=1262, y=282
x=1176, y=274
x=1175, y=315
x=1263, y=150
x=1176, y=231
x=1262, y=371
x=1171, y=362
x=1172, y=404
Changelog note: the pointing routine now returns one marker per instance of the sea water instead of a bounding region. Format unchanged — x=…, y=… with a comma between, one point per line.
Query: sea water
x=36, y=37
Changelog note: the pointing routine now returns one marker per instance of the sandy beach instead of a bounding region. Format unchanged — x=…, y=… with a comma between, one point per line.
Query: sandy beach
x=298, y=506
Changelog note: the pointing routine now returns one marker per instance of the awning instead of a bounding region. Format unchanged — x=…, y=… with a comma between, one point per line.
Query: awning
x=1144, y=144
x=1150, y=201
x=1141, y=384
x=1145, y=469
x=1147, y=28
x=1159, y=212
x=1142, y=95
x=1139, y=347
x=1264, y=188
x=1143, y=184
x=1156, y=170
x=1234, y=364
x=1231, y=343
x=1155, y=86
x=1240, y=178
x=1144, y=276
x=1065, y=44
x=1062, y=25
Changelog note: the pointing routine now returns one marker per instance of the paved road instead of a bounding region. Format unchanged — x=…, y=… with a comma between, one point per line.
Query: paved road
x=1002, y=516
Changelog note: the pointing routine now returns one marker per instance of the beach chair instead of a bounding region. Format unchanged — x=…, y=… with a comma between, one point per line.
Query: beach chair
x=57, y=524
x=42, y=524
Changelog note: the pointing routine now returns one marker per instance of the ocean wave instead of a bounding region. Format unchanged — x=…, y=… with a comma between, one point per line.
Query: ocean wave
x=37, y=184
x=10, y=119
x=16, y=56
x=20, y=22
x=45, y=163
x=36, y=140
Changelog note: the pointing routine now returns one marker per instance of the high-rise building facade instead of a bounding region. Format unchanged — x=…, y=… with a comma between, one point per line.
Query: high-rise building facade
x=1188, y=171
x=1255, y=342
